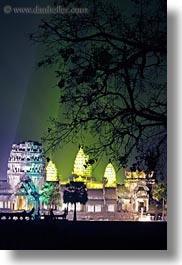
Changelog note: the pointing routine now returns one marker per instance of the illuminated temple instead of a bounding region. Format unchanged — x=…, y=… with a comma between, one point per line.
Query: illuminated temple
x=26, y=162
x=81, y=168
x=28, y=170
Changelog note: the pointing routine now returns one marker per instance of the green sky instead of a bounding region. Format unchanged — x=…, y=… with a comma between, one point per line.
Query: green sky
x=41, y=102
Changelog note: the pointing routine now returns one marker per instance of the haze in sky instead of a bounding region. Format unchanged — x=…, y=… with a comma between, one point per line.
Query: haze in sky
x=29, y=95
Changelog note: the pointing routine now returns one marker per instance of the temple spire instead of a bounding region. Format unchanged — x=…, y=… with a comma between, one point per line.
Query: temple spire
x=81, y=167
x=110, y=175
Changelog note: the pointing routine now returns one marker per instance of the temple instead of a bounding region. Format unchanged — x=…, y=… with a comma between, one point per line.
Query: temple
x=51, y=172
x=26, y=174
x=81, y=166
x=110, y=176
x=28, y=170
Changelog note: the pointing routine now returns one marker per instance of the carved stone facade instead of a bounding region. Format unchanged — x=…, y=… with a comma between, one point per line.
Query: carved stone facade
x=134, y=195
x=26, y=161
x=27, y=173
x=5, y=195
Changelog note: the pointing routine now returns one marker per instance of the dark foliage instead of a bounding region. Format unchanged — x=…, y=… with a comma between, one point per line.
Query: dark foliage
x=111, y=70
x=75, y=192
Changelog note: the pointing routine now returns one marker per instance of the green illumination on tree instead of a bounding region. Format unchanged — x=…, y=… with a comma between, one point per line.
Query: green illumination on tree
x=51, y=194
x=26, y=184
x=159, y=194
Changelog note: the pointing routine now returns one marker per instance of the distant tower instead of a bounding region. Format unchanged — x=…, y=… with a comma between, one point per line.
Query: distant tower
x=80, y=166
x=26, y=159
x=51, y=172
x=110, y=175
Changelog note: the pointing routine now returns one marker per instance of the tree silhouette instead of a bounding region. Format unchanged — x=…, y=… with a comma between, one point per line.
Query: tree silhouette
x=111, y=70
x=75, y=192
x=159, y=194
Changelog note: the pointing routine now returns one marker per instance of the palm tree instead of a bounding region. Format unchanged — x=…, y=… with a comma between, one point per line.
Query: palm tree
x=51, y=194
x=46, y=193
x=75, y=192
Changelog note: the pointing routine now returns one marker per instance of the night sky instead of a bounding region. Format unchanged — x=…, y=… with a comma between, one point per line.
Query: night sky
x=29, y=95
x=16, y=67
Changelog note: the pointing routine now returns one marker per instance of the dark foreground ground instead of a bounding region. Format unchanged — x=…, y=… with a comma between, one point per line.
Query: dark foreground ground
x=37, y=235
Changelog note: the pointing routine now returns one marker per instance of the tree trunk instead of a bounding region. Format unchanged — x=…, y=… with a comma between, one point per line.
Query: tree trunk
x=74, y=217
x=104, y=196
x=37, y=206
x=163, y=205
